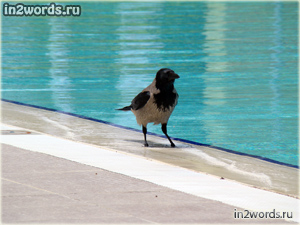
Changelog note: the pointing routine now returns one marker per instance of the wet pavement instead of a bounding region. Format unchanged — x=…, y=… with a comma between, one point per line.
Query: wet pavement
x=265, y=175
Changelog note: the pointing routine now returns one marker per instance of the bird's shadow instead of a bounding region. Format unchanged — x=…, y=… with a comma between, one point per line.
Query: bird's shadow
x=151, y=144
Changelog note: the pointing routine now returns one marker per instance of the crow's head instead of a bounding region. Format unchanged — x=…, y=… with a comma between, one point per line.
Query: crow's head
x=165, y=78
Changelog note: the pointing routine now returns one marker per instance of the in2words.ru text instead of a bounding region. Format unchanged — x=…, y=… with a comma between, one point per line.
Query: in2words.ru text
x=53, y=9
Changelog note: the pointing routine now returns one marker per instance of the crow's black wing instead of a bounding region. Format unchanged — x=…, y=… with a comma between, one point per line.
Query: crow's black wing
x=140, y=100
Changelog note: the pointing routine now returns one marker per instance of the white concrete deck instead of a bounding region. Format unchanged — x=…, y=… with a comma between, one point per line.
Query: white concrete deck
x=251, y=171
x=184, y=168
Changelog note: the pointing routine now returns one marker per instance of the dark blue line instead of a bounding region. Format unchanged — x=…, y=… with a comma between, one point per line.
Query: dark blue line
x=136, y=130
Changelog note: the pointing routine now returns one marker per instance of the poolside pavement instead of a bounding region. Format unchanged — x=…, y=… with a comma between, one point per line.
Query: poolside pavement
x=38, y=188
x=50, y=179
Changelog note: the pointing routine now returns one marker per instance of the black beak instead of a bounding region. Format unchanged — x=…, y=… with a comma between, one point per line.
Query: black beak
x=173, y=76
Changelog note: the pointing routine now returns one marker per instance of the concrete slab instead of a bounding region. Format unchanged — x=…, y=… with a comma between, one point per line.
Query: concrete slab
x=109, y=177
x=39, y=188
x=254, y=172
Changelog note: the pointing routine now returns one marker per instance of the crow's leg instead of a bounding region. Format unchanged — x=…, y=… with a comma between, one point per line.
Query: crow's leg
x=164, y=129
x=145, y=132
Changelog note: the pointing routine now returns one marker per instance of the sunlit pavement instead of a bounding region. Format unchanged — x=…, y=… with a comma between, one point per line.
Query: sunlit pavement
x=43, y=188
x=48, y=178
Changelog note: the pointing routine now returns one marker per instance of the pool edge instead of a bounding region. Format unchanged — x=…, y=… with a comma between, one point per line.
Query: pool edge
x=225, y=165
x=154, y=134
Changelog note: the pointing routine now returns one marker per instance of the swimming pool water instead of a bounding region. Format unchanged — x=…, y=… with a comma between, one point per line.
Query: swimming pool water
x=237, y=63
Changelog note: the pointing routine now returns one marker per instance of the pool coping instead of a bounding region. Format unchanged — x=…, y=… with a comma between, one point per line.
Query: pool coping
x=154, y=134
x=242, y=168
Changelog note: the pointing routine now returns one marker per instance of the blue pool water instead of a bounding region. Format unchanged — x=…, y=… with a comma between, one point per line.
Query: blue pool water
x=237, y=61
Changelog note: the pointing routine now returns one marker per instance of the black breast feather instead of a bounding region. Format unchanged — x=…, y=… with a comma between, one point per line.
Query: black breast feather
x=165, y=100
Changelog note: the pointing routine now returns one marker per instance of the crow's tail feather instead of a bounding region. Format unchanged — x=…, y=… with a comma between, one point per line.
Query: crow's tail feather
x=126, y=108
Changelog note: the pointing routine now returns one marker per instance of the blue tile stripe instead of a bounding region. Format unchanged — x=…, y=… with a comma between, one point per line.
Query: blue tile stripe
x=158, y=135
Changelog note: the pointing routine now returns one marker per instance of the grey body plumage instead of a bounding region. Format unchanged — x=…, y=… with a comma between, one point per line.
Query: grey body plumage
x=156, y=102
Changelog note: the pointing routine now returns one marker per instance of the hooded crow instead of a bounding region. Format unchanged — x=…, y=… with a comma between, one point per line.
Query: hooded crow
x=156, y=102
